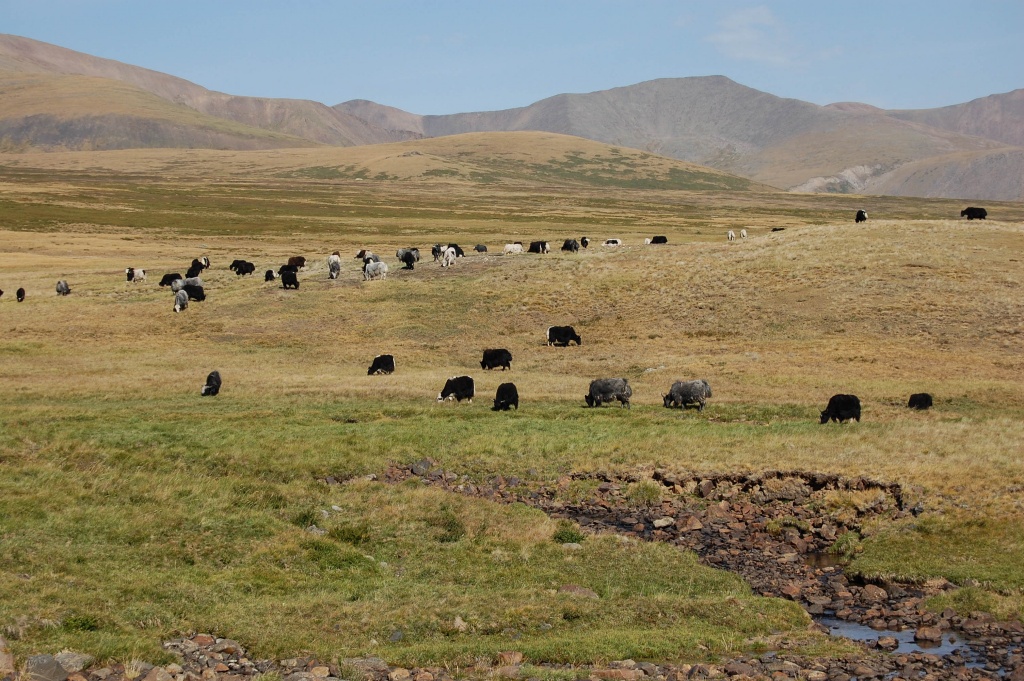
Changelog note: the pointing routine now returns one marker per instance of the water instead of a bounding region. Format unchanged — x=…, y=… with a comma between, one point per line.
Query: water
x=951, y=641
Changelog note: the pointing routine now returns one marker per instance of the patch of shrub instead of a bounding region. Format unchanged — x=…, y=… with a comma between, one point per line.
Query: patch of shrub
x=568, y=532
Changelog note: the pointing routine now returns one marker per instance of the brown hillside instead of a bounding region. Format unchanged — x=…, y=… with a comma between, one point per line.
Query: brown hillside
x=997, y=117
x=299, y=118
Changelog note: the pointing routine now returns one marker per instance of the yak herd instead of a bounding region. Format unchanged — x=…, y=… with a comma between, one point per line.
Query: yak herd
x=682, y=394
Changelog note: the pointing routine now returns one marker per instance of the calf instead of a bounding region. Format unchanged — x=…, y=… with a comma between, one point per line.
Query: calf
x=730, y=235
x=181, y=300
x=562, y=335
x=496, y=358
x=972, y=213
x=538, y=247
x=334, y=265
x=134, y=274
x=437, y=250
x=609, y=389
x=612, y=242
x=861, y=216
x=584, y=242
x=195, y=272
x=382, y=364
x=167, y=279
x=20, y=295
x=269, y=275
x=571, y=246
x=200, y=265
x=457, y=388
x=62, y=288
x=743, y=234
x=480, y=248
x=684, y=393
x=289, y=279
x=506, y=396
x=920, y=401
x=298, y=261
x=212, y=386
x=842, y=408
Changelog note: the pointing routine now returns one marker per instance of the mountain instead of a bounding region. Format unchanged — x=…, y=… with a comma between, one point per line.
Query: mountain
x=55, y=98
x=716, y=122
x=307, y=121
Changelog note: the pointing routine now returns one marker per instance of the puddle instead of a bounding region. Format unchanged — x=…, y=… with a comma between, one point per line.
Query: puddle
x=951, y=641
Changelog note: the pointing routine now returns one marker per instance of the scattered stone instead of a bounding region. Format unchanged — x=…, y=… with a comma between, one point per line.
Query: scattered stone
x=6, y=659
x=159, y=674
x=396, y=636
x=44, y=668
x=875, y=593
x=399, y=674
x=664, y=522
x=933, y=634
x=73, y=662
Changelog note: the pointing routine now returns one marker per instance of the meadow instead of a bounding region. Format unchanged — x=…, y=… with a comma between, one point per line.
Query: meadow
x=131, y=509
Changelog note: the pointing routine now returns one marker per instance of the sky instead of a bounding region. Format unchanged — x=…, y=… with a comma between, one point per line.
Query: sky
x=451, y=56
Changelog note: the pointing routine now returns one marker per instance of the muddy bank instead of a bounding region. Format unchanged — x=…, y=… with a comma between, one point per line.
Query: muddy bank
x=775, y=529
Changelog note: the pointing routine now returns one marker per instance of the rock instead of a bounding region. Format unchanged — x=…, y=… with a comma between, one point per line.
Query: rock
x=739, y=669
x=664, y=522
x=74, y=662
x=510, y=658
x=227, y=646
x=928, y=634
x=203, y=640
x=691, y=523
x=875, y=593
x=617, y=674
x=813, y=675
x=421, y=467
x=399, y=674
x=160, y=674
x=370, y=667
x=44, y=668
x=396, y=636
x=576, y=590
x=862, y=671
x=320, y=672
x=888, y=643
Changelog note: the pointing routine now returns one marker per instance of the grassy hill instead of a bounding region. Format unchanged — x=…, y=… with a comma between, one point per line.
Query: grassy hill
x=132, y=509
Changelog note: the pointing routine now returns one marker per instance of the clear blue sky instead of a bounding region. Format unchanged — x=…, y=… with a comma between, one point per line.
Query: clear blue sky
x=448, y=56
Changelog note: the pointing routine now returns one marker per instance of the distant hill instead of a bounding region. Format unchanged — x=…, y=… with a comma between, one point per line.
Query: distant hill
x=303, y=119
x=961, y=151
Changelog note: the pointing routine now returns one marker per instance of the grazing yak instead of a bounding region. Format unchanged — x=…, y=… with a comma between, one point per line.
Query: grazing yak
x=612, y=242
x=920, y=401
x=842, y=408
x=972, y=213
x=408, y=256
x=607, y=390
x=382, y=364
x=457, y=388
x=269, y=275
x=448, y=257
x=861, y=216
x=459, y=253
x=196, y=293
x=62, y=288
x=287, y=268
x=334, y=265
x=168, y=279
x=181, y=300
x=290, y=279
x=584, y=241
x=179, y=284
x=374, y=270
x=196, y=271
x=538, y=247
x=234, y=264
x=245, y=268
x=498, y=357
x=778, y=229
x=212, y=386
x=571, y=246
x=730, y=235
x=743, y=234
x=684, y=393
x=562, y=335
x=298, y=261
x=134, y=274
x=506, y=396
x=20, y=295
x=480, y=248
x=1, y=293
x=512, y=249
x=656, y=240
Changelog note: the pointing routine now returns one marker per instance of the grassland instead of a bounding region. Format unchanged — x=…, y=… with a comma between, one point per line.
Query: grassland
x=131, y=509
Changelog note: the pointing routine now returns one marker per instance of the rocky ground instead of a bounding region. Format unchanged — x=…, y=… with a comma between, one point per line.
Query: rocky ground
x=772, y=528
